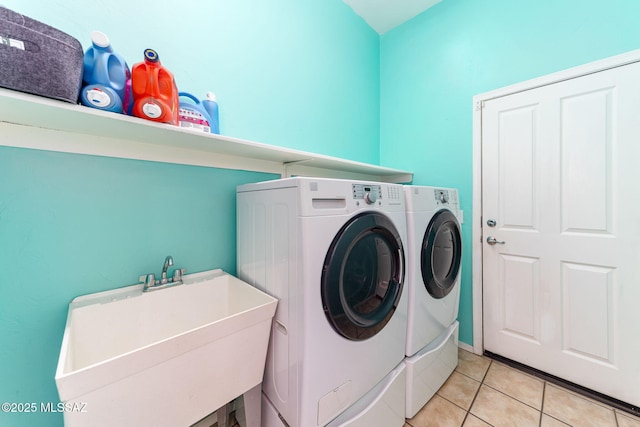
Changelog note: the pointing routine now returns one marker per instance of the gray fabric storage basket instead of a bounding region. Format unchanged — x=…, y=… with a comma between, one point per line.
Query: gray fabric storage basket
x=39, y=59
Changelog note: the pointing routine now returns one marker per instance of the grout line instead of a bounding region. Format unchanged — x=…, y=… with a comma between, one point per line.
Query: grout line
x=544, y=392
x=455, y=404
x=475, y=396
x=560, y=421
x=635, y=418
x=487, y=371
x=466, y=415
x=517, y=399
x=512, y=398
x=467, y=411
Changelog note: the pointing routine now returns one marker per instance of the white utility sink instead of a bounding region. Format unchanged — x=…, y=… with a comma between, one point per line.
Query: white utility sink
x=168, y=357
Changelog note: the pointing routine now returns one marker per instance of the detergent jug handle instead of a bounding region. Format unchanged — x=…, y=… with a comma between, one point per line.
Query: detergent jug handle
x=188, y=95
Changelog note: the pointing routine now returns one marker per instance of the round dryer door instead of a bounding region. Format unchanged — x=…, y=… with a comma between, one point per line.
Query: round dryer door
x=363, y=276
x=441, y=254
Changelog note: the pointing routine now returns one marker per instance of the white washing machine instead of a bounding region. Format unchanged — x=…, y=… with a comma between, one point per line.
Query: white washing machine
x=332, y=252
x=434, y=259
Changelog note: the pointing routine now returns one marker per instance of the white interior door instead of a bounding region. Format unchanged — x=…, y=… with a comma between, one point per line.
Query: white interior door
x=560, y=179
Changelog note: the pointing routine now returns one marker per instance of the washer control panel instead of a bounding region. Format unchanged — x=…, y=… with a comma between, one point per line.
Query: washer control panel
x=442, y=196
x=369, y=193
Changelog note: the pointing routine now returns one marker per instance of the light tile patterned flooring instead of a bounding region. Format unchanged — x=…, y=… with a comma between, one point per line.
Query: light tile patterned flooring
x=482, y=392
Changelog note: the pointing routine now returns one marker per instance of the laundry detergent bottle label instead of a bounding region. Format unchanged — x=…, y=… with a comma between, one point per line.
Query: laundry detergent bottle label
x=198, y=115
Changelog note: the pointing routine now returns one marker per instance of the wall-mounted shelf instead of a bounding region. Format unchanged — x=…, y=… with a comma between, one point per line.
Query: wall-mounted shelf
x=34, y=122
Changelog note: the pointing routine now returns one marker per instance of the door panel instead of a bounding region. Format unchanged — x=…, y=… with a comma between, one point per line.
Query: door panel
x=588, y=312
x=518, y=201
x=520, y=304
x=560, y=177
x=586, y=142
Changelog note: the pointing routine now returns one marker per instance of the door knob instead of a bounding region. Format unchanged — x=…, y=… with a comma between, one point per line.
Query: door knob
x=492, y=241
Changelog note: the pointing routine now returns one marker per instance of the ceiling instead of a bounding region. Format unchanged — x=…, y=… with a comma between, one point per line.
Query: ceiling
x=383, y=15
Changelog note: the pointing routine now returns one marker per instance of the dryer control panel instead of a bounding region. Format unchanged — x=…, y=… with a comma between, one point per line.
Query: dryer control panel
x=442, y=196
x=367, y=192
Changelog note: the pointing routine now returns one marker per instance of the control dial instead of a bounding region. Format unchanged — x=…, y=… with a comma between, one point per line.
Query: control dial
x=370, y=198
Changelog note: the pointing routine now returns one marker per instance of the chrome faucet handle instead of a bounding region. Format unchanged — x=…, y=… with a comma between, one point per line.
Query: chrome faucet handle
x=149, y=281
x=178, y=273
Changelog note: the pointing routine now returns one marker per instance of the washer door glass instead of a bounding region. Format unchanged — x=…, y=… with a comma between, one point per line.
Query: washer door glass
x=441, y=254
x=363, y=276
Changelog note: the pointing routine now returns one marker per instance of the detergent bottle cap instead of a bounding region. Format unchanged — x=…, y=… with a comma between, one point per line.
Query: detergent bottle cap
x=151, y=55
x=100, y=39
x=211, y=96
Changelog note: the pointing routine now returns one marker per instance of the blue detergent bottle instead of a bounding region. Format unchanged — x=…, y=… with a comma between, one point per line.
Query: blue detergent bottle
x=106, y=77
x=211, y=105
x=199, y=115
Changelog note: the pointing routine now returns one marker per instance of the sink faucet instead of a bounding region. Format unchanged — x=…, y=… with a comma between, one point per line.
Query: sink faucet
x=151, y=284
x=168, y=262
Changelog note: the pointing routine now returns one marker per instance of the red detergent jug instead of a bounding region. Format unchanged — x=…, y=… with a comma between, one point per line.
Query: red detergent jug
x=155, y=94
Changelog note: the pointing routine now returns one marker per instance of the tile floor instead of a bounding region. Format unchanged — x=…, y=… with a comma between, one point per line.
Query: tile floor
x=484, y=392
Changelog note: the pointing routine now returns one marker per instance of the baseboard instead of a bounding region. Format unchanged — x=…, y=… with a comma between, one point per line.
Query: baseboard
x=465, y=346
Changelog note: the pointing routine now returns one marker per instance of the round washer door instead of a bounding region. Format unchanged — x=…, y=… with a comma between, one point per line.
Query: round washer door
x=363, y=276
x=441, y=254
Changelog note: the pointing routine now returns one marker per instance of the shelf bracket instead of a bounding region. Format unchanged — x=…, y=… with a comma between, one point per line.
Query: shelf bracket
x=286, y=173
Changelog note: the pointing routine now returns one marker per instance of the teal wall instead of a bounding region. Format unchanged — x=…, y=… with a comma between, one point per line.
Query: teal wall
x=72, y=225
x=433, y=65
x=300, y=74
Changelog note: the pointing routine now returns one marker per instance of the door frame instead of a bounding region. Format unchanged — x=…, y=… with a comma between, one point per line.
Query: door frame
x=478, y=103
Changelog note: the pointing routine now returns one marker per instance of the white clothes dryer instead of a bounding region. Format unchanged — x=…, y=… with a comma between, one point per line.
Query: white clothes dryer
x=332, y=252
x=434, y=259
